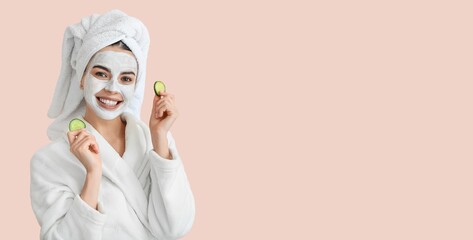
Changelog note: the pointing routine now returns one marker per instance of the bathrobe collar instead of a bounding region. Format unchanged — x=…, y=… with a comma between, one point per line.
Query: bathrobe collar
x=118, y=170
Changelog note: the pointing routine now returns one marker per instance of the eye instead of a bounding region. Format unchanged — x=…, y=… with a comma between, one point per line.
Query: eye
x=127, y=79
x=101, y=74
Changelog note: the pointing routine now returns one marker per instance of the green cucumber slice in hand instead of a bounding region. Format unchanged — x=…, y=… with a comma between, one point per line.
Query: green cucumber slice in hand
x=76, y=124
x=159, y=87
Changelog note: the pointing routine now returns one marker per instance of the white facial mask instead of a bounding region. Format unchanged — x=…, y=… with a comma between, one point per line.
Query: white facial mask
x=116, y=62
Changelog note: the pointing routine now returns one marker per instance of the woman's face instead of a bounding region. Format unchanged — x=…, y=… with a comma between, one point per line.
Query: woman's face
x=109, y=82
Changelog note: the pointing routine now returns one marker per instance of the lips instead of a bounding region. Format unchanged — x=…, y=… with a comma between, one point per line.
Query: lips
x=108, y=103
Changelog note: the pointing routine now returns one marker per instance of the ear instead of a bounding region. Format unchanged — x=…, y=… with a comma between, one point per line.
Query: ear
x=83, y=78
x=82, y=84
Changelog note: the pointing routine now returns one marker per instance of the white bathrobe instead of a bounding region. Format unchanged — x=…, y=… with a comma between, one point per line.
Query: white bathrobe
x=142, y=195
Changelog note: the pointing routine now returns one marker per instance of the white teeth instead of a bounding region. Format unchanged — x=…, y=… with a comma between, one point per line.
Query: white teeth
x=108, y=102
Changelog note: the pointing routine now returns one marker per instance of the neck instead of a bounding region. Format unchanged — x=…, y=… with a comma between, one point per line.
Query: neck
x=107, y=128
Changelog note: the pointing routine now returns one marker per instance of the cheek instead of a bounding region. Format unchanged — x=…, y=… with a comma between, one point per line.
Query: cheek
x=128, y=91
x=94, y=85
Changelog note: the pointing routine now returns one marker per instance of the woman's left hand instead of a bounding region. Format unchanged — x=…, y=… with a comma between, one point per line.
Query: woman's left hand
x=163, y=115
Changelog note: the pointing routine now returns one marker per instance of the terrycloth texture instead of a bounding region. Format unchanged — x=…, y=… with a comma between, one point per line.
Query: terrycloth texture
x=142, y=196
x=81, y=42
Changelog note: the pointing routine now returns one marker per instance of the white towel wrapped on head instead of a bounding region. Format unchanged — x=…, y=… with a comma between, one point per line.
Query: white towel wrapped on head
x=81, y=42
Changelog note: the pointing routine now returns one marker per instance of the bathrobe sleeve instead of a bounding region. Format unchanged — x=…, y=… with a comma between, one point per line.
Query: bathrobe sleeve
x=171, y=207
x=61, y=213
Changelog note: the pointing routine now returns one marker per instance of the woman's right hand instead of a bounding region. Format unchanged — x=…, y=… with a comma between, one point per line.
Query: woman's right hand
x=85, y=148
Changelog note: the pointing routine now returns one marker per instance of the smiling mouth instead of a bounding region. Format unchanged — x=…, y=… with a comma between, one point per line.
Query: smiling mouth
x=108, y=103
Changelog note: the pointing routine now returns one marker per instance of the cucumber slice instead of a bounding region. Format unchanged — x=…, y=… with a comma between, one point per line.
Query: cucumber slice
x=159, y=87
x=76, y=124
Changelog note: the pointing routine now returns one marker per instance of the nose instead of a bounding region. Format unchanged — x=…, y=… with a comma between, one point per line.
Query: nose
x=112, y=85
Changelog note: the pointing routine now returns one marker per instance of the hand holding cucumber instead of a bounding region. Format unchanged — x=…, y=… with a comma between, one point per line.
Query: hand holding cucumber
x=84, y=146
x=164, y=111
x=163, y=114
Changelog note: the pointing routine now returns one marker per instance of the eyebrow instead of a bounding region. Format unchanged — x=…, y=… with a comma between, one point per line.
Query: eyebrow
x=108, y=70
x=102, y=67
x=128, y=73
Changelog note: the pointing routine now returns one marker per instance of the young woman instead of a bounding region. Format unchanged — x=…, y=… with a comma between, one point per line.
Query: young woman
x=118, y=178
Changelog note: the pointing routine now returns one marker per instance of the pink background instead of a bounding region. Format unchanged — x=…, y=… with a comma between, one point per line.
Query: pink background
x=299, y=120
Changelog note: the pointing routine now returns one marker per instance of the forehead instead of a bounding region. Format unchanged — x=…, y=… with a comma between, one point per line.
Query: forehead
x=114, y=60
